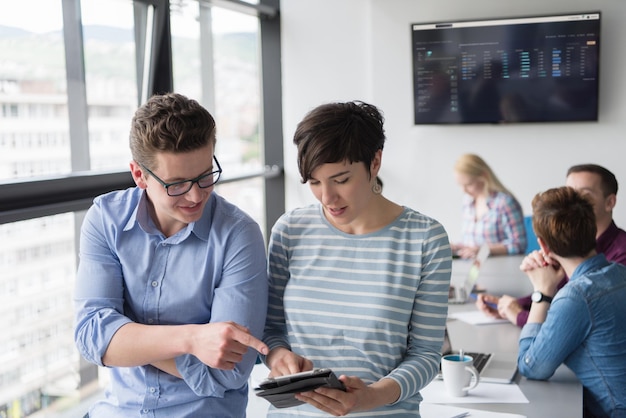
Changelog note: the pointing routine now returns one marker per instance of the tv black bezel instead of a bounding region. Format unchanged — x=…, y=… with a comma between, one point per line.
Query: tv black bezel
x=508, y=20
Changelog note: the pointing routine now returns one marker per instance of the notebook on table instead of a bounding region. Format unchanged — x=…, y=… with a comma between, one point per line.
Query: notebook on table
x=490, y=368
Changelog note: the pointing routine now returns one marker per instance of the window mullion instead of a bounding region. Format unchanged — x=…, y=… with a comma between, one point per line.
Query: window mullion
x=206, y=58
x=76, y=86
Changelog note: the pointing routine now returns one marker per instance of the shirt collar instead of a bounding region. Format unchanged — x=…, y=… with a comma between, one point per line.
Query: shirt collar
x=604, y=241
x=491, y=197
x=141, y=217
x=592, y=263
x=202, y=226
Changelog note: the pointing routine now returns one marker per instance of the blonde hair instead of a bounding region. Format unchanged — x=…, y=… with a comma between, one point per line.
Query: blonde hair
x=474, y=166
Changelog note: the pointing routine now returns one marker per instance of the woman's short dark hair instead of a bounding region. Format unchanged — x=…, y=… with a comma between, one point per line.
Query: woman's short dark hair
x=335, y=132
x=169, y=123
x=564, y=220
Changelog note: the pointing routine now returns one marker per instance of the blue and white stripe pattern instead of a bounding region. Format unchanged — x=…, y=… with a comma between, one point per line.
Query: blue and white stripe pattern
x=371, y=305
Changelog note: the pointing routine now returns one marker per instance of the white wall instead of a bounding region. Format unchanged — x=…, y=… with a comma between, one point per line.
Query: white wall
x=361, y=49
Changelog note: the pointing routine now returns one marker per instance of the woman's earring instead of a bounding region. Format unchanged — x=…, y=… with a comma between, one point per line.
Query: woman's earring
x=377, y=188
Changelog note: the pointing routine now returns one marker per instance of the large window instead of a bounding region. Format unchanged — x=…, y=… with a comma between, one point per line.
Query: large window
x=72, y=73
x=221, y=70
x=111, y=80
x=38, y=362
x=35, y=129
x=33, y=91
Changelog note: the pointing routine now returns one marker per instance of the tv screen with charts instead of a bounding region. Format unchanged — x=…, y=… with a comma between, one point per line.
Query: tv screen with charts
x=530, y=69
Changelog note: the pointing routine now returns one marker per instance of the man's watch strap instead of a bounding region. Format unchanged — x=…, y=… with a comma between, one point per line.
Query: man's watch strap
x=538, y=297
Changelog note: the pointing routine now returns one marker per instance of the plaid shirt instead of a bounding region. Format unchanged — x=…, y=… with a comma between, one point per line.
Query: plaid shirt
x=503, y=223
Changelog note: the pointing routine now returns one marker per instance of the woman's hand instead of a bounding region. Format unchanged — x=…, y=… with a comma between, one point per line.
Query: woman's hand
x=357, y=397
x=282, y=361
x=466, y=251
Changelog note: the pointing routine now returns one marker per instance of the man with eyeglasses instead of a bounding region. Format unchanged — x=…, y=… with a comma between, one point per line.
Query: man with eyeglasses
x=171, y=289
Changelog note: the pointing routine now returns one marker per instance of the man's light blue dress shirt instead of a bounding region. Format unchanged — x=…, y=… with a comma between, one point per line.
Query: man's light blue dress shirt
x=213, y=270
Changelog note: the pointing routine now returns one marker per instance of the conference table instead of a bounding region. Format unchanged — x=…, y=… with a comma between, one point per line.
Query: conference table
x=561, y=395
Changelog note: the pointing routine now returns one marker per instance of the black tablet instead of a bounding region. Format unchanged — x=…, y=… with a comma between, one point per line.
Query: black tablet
x=280, y=390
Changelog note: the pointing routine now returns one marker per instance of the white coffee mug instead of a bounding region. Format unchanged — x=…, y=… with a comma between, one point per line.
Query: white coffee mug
x=457, y=374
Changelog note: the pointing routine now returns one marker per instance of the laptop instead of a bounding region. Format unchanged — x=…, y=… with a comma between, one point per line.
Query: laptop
x=461, y=294
x=490, y=368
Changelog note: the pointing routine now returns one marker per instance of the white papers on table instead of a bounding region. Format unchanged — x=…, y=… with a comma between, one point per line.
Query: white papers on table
x=475, y=317
x=436, y=392
x=428, y=410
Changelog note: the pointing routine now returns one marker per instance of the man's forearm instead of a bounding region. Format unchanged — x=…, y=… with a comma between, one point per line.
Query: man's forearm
x=138, y=345
x=168, y=366
x=538, y=312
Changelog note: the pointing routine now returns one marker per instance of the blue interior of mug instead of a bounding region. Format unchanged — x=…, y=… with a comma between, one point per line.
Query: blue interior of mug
x=456, y=357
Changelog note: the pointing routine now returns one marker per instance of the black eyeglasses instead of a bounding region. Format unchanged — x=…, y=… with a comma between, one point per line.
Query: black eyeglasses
x=178, y=188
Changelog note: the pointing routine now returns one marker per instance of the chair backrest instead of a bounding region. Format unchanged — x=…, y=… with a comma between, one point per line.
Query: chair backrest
x=531, y=238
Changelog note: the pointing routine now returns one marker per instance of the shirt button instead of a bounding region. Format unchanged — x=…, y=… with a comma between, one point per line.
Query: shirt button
x=145, y=411
x=155, y=283
x=152, y=390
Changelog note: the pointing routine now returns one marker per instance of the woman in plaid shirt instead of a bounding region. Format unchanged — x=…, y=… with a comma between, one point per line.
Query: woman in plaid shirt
x=491, y=214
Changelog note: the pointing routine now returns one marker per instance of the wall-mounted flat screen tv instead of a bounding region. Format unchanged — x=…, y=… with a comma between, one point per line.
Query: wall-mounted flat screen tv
x=531, y=69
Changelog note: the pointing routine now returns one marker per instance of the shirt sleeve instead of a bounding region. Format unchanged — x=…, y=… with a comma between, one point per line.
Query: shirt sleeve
x=99, y=294
x=430, y=309
x=616, y=252
x=568, y=323
x=522, y=318
x=275, y=334
x=512, y=224
x=241, y=297
x=525, y=302
x=619, y=258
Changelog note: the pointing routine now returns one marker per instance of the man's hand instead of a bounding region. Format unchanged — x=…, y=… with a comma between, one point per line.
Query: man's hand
x=222, y=345
x=488, y=304
x=509, y=308
x=500, y=307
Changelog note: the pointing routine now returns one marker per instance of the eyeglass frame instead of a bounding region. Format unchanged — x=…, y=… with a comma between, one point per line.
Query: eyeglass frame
x=191, y=181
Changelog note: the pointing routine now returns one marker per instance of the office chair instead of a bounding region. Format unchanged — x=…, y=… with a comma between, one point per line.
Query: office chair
x=531, y=238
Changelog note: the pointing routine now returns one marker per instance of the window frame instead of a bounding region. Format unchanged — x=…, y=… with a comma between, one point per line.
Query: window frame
x=23, y=199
